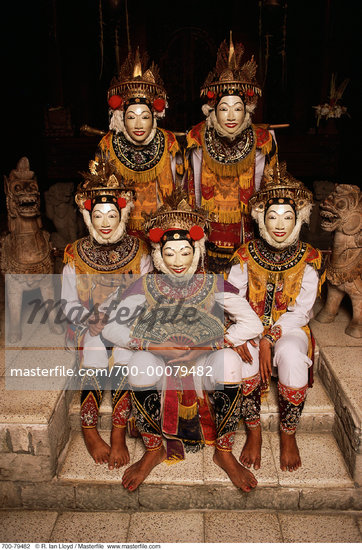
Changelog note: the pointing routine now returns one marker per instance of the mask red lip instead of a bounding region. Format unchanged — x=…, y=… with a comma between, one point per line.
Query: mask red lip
x=139, y=133
x=106, y=231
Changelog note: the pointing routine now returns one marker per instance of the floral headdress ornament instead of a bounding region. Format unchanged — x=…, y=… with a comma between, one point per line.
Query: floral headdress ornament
x=102, y=185
x=135, y=84
x=280, y=187
x=231, y=77
x=177, y=220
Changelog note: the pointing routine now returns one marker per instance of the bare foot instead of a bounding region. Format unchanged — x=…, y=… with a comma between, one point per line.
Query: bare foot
x=119, y=455
x=97, y=447
x=135, y=474
x=251, y=453
x=289, y=452
x=240, y=476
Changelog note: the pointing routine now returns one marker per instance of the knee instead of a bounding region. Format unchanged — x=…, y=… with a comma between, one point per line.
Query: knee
x=142, y=369
x=226, y=366
x=293, y=369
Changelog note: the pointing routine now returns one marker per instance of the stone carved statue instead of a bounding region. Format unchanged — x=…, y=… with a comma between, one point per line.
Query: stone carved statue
x=25, y=249
x=342, y=212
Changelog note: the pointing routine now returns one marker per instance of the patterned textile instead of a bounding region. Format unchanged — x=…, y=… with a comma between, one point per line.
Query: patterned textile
x=226, y=152
x=90, y=257
x=142, y=158
x=147, y=412
x=250, y=407
x=291, y=403
x=227, y=407
x=275, y=278
x=89, y=410
x=148, y=168
x=121, y=410
x=172, y=313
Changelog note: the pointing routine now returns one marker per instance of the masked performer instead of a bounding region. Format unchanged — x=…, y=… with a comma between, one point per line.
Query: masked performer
x=143, y=153
x=93, y=269
x=226, y=154
x=279, y=275
x=179, y=324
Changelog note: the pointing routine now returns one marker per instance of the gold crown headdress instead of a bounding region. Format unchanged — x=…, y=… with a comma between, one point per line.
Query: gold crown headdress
x=230, y=77
x=134, y=84
x=176, y=213
x=103, y=184
x=278, y=185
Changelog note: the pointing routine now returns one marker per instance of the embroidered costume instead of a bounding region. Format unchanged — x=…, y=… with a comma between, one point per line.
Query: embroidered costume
x=149, y=158
x=225, y=161
x=93, y=272
x=281, y=282
x=182, y=310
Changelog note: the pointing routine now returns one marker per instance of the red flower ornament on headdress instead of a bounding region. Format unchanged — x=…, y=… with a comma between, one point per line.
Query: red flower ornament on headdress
x=121, y=202
x=156, y=234
x=196, y=233
x=159, y=104
x=88, y=204
x=115, y=102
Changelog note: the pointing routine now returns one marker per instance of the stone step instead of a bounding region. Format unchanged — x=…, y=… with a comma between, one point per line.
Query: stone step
x=322, y=482
x=340, y=371
x=318, y=413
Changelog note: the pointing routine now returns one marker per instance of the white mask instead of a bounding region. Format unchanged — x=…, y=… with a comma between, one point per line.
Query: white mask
x=279, y=222
x=230, y=114
x=178, y=257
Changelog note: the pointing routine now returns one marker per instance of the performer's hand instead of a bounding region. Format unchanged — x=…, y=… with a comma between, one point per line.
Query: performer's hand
x=244, y=352
x=97, y=324
x=187, y=356
x=265, y=359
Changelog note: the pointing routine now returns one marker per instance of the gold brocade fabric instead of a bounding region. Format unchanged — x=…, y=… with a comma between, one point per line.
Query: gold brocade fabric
x=275, y=278
x=98, y=266
x=228, y=169
x=147, y=168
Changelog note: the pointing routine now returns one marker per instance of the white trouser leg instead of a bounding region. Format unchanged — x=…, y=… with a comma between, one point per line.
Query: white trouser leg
x=143, y=369
x=94, y=352
x=291, y=359
x=227, y=367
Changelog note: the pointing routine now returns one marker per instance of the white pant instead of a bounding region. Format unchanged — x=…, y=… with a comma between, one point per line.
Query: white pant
x=95, y=353
x=291, y=359
x=219, y=367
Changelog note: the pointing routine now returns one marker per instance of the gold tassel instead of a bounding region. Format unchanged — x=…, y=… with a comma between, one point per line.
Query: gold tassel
x=187, y=413
x=246, y=180
x=133, y=266
x=229, y=217
x=147, y=175
x=266, y=148
x=228, y=170
x=173, y=459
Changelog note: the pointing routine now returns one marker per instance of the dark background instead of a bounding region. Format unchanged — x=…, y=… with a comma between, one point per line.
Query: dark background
x=52, y=58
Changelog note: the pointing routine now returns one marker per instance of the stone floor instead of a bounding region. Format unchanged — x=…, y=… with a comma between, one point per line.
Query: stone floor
x=180, y=527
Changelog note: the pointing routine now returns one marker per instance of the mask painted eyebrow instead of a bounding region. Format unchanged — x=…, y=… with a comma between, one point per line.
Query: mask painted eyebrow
x=98, y=211
x=283, y=214
x=225, y=104
x=145, y=112
x=170, y=247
